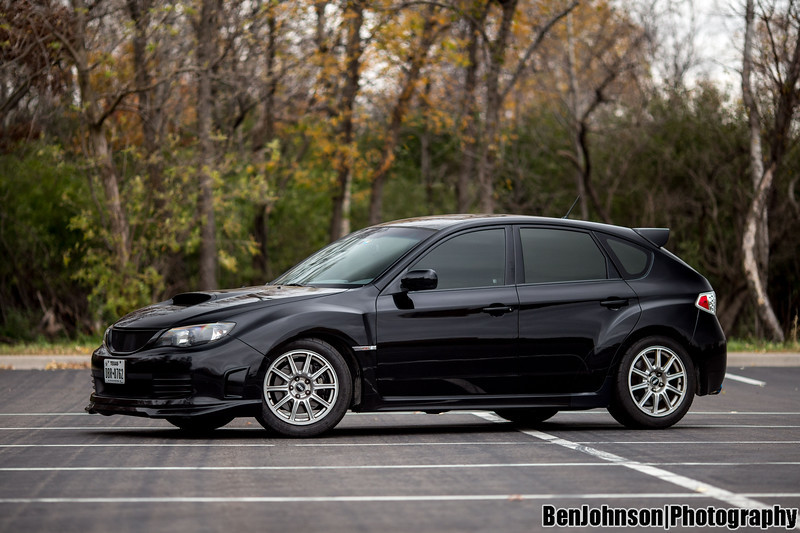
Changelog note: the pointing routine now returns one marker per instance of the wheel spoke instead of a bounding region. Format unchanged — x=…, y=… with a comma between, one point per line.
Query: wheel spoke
x=307, y=364
x=673, y=389
x=324, y=386
x=275, y=388
x=658, y=358
x=320, y=401
x=307, y=407
x=281, y=375
x=319, y=372
x=282, y=401
x=644, y=399
x=672, y=377
x=638, y=372
x=656, y=397
x=640, y=386
x=293, y=365
x=293, y=415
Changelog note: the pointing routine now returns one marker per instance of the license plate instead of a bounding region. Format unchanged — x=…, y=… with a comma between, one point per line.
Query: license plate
x=114, y=371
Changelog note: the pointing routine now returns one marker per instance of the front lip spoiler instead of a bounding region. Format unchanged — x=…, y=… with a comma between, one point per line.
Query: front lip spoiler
x=165, y=408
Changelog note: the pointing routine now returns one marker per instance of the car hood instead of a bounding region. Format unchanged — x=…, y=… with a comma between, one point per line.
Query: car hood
x=195, y=307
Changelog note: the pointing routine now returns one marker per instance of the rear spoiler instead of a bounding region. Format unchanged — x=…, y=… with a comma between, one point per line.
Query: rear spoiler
x=658, y=236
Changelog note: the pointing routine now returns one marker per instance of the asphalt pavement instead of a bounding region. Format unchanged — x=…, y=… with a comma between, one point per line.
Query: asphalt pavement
x=64, y=470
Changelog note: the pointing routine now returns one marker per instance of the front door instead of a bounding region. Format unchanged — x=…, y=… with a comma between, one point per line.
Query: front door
x=457, y=339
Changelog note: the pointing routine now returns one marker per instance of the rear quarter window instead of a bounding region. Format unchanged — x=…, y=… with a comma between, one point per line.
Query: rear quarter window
x=633, y=260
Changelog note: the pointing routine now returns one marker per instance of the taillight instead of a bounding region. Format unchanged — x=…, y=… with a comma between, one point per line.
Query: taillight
x=707, y=301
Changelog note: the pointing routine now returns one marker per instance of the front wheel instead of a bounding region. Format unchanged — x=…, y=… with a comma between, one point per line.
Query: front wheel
x=655, y=385
x=307, y=389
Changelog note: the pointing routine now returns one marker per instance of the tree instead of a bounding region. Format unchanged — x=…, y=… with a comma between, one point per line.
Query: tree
x=206, y=26
x=432, y=26
x=781, y=72
x=497, y=46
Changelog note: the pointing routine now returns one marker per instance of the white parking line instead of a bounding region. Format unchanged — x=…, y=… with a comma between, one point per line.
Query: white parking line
x=266, y=445
x=142, y=445
x=726, y=496
x=316, y=468
x=743, y=379
x=684, y=442
x=431, y=498
x=161, y=428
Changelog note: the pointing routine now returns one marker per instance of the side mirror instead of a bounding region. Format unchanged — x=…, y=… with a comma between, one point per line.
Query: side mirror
x=419, y=280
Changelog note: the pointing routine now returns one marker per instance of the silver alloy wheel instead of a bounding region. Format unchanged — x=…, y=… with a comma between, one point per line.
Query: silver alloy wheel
x=301, y=387
x=657, y=381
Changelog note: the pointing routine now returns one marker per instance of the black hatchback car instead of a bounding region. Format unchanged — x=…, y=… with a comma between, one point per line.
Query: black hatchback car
x=524, y=316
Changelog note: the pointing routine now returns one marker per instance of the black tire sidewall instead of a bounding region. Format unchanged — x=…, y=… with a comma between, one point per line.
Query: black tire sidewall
x=622, y=406
x=271, y=421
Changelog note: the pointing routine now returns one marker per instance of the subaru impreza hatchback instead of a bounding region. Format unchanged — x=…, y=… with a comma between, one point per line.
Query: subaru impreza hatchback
x=524, y=316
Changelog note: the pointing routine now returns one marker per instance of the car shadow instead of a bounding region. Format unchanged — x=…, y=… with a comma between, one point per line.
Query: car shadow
x=366, y=430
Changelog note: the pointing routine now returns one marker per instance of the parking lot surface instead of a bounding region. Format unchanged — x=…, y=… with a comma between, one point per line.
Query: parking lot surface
x=63, y=470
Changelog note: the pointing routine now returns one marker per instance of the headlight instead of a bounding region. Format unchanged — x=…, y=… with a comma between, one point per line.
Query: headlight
x=188, y=336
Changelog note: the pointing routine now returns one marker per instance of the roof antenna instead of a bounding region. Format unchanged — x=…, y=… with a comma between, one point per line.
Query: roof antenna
x=572, y=207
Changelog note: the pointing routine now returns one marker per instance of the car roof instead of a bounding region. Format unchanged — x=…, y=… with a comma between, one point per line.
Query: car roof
x=441, y=222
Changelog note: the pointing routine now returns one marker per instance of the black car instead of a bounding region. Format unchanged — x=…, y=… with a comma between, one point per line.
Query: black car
x=524, y=316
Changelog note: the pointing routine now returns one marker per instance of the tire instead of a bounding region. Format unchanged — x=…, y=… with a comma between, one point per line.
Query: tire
x=200, y=424
x=527, y=417
x=655, y=385
x=307, y=389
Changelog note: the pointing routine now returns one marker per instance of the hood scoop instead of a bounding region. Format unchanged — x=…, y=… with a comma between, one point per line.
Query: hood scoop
x=187, y=299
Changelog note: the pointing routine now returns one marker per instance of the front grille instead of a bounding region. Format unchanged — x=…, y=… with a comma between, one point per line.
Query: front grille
x=121, y=340
x=147, y=386
x=172, y=387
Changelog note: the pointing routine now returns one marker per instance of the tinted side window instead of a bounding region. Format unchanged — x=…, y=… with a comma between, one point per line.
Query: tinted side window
x=476, y=259
x=552, y=255
x=633, y=259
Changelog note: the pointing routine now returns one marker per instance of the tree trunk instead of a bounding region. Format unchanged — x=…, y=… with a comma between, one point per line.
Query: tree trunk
x=340, y=218
x=98, y=144
x=470, y=134
x=416, y=61
x=755, y=235
x=575, y=112
x=206, y=30
x=491, y=141
x=263, y=137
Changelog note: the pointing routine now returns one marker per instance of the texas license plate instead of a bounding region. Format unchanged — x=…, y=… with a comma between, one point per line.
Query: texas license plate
x=114, y=371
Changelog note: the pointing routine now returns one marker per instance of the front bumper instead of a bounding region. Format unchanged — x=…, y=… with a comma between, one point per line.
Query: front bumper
x=167, y=382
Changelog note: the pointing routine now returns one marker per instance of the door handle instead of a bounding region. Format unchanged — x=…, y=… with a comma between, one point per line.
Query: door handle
x=614, y=303
x=497, y=309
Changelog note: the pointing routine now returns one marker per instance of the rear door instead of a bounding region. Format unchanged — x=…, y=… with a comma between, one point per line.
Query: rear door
x=574, y=313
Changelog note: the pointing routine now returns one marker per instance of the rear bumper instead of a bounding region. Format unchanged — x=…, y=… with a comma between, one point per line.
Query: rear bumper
x=711, y=354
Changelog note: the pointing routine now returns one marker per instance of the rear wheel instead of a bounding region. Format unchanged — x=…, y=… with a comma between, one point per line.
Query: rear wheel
x=307, y=389
x=655, y=384
x=200, y=424
x=527, y=417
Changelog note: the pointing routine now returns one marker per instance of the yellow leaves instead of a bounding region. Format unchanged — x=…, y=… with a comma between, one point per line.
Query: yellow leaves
x=227, y=261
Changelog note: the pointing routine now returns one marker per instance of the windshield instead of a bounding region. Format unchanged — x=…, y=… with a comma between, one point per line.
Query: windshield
x=356, y=259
